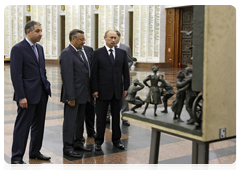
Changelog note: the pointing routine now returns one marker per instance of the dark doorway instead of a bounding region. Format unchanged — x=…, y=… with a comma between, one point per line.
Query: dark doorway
x=131, y=31
x=96, y=31
x=62, y=22
x=28, y=18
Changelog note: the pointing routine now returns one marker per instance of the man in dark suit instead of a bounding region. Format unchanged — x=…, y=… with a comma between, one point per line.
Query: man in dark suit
x=109, y=81
x=125, y=106
x=75, y=72
x=31, y=90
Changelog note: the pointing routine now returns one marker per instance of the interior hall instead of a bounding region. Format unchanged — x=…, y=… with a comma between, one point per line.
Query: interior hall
x=171, y=37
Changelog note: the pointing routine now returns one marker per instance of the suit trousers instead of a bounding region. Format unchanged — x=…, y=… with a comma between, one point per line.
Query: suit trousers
x=73, y=125
x=90, y=118
x=33, y=117
x=124, y=107
x=101, y=110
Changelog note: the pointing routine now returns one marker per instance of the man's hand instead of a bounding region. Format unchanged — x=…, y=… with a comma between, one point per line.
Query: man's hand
x=71, y=102
x=95, y=95
x=23, y=103
x=125, y=94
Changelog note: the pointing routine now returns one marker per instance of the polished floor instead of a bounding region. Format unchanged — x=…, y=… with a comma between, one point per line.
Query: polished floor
x=136, y=137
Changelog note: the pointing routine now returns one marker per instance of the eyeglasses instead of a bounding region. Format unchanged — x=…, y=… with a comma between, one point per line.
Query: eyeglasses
x=82, y=39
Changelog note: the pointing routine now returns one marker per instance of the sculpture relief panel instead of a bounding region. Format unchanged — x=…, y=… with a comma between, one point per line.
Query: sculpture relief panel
x=136, y=31
x=7, y=29
x=14, y=25
x=68, y=23
x=108, y=17
x=88, y=25
x=146, y=34
x=20, y=23
x=157, y=32
x=143, y=31
x=102, y=24
x=116, y=17
x=54, y=32
x=48, y=40
x=40, y=19
x=122, y=22
x=151, y=36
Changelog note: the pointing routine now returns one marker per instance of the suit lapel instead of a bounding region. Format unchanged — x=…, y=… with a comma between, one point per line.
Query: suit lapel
x=88, y=55
x=116, y=55
x=30, y=50
x=75, y=53
x=106, y=55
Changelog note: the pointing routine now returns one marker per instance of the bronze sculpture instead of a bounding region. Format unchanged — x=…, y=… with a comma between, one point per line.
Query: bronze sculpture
x=167, y=92
x=154, y=95
x=178, y=103
x=190, y=94
x=131, y=95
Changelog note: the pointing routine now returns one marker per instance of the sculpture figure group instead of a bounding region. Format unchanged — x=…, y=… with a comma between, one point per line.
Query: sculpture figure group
x=160, y=94
x=154, y=94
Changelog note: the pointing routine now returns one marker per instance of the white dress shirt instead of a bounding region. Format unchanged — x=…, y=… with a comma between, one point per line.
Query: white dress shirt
x=113, y=50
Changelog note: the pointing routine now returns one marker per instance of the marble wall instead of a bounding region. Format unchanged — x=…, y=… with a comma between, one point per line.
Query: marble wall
x=148, y=27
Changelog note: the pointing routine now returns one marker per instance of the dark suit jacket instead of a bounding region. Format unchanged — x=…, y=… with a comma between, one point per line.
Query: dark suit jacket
x=108, y=78
x=28, y=75
x=75, y=75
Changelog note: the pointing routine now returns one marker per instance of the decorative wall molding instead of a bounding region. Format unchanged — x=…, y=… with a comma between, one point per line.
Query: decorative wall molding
x=147, y=33
x=148, y=26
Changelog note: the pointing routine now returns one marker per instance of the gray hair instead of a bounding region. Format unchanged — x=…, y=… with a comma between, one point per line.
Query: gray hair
x=30, y=25
x=118, y=33
x=74, y=33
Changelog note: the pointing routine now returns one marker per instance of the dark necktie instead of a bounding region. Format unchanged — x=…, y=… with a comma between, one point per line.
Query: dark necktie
x=111, y=56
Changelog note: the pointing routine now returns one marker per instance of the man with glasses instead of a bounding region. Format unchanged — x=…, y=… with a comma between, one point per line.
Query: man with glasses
x=75, y=72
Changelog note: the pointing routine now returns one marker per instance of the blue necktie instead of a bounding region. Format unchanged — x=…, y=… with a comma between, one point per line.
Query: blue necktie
x=35, y=51
x=111, y=56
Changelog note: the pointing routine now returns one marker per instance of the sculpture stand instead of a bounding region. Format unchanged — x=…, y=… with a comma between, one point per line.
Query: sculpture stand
x=165, y=119
x=165, y=123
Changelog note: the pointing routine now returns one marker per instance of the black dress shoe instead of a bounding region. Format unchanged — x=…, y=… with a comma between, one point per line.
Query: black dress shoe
x=82, y=148
x=98, y=147
x=125, y=122
x=119, y=145
x=40, y=157
x=94, y=135
x=19, y=164
x=73, y=154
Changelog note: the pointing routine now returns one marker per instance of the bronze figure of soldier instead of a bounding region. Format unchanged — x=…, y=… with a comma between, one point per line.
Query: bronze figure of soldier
x=178, y=103
x=131, y=95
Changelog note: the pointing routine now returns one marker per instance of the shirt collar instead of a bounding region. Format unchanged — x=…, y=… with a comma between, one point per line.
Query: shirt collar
x=75, y=48
x=109, y=48
x=30, y=43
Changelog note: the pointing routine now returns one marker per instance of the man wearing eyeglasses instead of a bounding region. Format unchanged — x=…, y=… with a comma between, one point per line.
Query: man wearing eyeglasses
x=75, y=72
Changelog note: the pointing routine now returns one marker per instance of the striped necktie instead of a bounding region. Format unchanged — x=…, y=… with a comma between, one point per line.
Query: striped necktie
x=35, y=51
